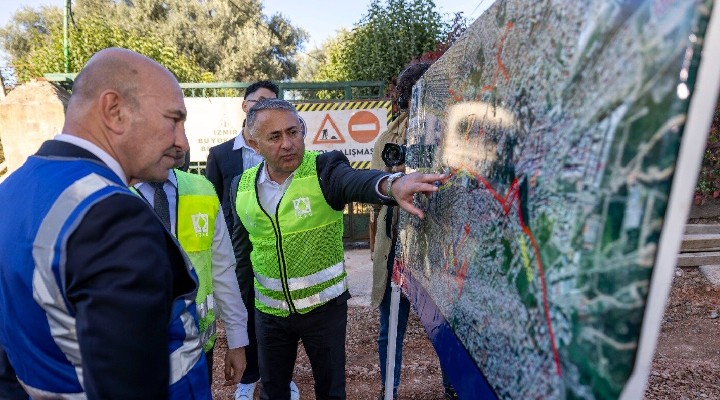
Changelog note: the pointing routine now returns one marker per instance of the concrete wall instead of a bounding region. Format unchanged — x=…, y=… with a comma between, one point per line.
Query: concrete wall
x=29, y=115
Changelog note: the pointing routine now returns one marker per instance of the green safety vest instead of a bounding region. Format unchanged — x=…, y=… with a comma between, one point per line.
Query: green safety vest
x=197, y=208
x=297, y=253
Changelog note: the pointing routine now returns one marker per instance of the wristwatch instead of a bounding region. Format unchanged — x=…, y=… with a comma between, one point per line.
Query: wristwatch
x=388, y=184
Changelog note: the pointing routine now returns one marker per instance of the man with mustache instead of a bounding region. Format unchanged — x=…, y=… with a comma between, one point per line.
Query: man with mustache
x=291, y=208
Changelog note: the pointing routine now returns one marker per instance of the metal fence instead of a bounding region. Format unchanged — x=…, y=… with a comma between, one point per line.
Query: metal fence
x=357, y=216
x=293, y=91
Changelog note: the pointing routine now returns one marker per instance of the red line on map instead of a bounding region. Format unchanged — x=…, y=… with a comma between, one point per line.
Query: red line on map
x=506, y=203
x=498, y=58
x=455, y=96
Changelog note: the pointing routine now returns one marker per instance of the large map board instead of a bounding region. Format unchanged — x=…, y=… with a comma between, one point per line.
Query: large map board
x=560, y=125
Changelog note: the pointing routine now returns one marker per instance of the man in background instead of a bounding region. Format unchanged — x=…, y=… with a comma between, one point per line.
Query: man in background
x=96, y=296
x=188, y=207
x=229, y=159
x=386, y=238
x=225, y=162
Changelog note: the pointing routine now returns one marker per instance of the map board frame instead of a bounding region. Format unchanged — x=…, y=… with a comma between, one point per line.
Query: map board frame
x=698, y=85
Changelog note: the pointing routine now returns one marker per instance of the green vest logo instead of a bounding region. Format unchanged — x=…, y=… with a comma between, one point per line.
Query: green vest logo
x=302, y=207
x=200, y=224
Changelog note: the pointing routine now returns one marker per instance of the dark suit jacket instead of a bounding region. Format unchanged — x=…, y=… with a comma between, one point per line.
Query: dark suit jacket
x=10, y=388
x=223, y=164
x=340, y=183
x=123, y=271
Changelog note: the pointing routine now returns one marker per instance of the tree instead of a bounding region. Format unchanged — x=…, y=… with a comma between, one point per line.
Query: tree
x=230, y=39
x=326, y=63
x=45, y=53
x=233, y=39
x=384, y=41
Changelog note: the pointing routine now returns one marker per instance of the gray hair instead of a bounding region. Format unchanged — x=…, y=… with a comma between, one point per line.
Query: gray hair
x=267, y=104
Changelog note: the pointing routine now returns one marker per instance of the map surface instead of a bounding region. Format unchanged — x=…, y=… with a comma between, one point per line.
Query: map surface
x=559, y=123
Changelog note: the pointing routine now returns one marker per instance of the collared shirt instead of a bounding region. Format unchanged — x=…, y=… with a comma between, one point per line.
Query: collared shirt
x=270, y=192
x=97, y=151
x=250, y=157
x=226, y=292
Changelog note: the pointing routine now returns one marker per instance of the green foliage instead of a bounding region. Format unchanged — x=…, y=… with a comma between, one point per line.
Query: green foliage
x=199, y=40
x=230, y=38
x=384, y=41
x=46, y=54
x=709, y=180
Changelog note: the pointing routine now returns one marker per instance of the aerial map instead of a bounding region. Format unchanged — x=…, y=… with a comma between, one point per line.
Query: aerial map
x=559, y=124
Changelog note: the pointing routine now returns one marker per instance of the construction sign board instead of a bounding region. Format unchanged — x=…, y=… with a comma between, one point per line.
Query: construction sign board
x=211, y=121
x=349, y=126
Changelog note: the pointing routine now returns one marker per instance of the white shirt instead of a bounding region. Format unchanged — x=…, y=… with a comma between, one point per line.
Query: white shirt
x=250, y=157
x=270, y=192
x=98, y=152
x=226, y=292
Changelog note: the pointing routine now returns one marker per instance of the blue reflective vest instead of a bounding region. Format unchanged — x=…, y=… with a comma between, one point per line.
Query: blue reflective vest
x=41, y=339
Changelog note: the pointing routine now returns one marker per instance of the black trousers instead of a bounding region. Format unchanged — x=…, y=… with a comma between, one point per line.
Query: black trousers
x=209, y=359
x=322, y=332
x=246, y=279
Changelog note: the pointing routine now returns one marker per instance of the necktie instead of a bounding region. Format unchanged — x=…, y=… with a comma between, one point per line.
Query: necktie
x=161, y=206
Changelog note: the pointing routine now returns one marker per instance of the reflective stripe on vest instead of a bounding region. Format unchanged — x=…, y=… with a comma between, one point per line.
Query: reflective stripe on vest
x=326, y=295
x=48, y=250
x=197, y=210
x=39, y=394
x=304, y=282
x=184, y=358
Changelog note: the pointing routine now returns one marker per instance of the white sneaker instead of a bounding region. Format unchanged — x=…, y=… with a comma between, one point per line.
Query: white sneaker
x=245, y=391
x=294, y=391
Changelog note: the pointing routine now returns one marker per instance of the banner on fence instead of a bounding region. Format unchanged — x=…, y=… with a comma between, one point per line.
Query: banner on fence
x=348, y=126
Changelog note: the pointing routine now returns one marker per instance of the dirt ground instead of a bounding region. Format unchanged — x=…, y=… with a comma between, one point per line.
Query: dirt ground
x=687, y=359
x=420, y=374
x=686, y=364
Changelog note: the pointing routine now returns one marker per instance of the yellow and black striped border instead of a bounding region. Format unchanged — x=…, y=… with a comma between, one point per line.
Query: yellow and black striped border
x=347, y=105
x=360, y=164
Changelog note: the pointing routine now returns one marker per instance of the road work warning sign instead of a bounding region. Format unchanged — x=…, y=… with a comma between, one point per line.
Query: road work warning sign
x=348, y=126
x=328, y=132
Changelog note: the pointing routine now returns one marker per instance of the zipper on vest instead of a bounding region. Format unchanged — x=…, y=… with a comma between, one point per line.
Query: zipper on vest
x=280, y=254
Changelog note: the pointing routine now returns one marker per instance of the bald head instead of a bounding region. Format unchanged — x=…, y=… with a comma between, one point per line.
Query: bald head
x=132, y=108
x=116, y=69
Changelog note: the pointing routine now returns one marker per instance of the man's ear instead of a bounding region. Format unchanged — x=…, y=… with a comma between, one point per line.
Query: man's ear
x=112, y=111
x=253, y=143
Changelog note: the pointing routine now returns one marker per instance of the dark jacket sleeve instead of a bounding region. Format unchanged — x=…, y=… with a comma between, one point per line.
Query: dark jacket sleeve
x=342, y=184
x=120, y=274
x=213, y=173
x=242, y=248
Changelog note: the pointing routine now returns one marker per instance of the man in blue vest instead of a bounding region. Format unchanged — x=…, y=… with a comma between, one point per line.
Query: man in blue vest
x=189, y=208
x=291, y=208
x=97, y=299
